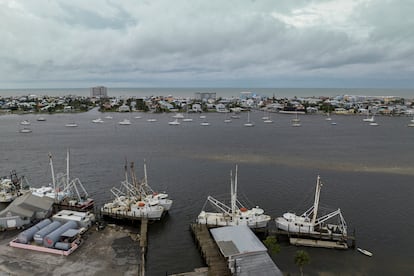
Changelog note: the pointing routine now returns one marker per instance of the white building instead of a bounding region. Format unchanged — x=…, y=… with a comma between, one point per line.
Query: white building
x=99, y=91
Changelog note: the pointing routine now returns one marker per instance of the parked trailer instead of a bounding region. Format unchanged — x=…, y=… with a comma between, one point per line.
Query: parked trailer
x=50, y=239
x=27, y=235
x=38, y=237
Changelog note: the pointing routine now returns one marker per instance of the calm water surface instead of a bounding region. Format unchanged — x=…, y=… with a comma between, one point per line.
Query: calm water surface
x=367, y=171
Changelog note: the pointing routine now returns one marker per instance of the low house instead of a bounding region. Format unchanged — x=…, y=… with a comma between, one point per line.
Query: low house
x=245, y=253
x=24, y=210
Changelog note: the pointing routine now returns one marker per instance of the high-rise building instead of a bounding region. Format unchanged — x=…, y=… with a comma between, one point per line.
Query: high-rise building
x=99, y=91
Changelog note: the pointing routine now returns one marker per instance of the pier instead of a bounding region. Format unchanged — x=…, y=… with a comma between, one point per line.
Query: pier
x=143, y=245
x=316, y=240
x=217, y=264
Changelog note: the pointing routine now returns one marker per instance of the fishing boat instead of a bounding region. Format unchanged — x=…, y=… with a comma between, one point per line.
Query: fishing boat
x=310, y=224
x=65, y=191
x=124, y=122
x=235, y=214
x=130, y=201
x=365, y=252
x=11, y=187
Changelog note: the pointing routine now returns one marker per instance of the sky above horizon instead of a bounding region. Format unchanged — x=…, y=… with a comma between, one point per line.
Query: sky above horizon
x=234, y=43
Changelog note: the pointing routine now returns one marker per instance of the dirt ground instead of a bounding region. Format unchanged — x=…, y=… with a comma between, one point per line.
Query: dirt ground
x=111, y=251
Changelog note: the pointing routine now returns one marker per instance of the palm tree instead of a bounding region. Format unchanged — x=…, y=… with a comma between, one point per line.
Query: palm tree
x=271, y=243
x=301, y=258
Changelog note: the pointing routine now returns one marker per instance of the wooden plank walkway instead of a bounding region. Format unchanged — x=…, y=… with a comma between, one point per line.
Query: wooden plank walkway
x=217, y=264
x=143, y=245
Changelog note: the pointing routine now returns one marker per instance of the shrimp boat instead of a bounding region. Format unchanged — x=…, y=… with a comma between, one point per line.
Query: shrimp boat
x=136, y=200
x=309, y=224
x=236, y=214
x=67, y=193
x=11, y=187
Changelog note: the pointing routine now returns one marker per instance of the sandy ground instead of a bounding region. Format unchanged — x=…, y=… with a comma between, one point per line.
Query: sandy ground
x=110, y=251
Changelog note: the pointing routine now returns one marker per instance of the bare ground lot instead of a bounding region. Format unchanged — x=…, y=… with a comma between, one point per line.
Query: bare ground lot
x=110, y=251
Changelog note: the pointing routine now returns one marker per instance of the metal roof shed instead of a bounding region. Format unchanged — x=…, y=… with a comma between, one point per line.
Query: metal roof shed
x=246, y=254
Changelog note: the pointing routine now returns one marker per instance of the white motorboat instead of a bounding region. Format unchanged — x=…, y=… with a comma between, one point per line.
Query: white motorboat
x=124, y=122
x=25, y=122
x=151, y=120
x=99, y=120
x=72, y=124
x=138, y=117
x=41, y=119
x=178, y=115
x=373, y=123
x=365, y=252
x=202, y=116
x=174, y=123
x=109, y=117
x=309, y=222
x=236, y=214
x=25, y=130
x=205, y=124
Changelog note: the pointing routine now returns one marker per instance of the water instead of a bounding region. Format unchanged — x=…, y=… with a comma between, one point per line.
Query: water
x=220, y=92
x=367, y=172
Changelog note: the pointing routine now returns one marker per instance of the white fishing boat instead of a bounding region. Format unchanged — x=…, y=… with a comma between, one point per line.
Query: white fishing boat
x=248, y=123
x=174, y=123
x=64, y=190
x=11, y=187
x=130, y=200
x=124, y=122
x=310, y=224
x=99, y=120
x=236, y=214
x=72, y=124
x=365, y=252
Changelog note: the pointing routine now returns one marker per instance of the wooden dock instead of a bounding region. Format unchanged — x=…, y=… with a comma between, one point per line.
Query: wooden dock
x=316, y=240
x=217, y=264
x=143, y=245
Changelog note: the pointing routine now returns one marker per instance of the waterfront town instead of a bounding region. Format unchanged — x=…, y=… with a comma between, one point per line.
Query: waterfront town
x=207, y=102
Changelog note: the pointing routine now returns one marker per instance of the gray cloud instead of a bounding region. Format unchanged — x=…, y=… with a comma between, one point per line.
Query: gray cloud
x=214, y=43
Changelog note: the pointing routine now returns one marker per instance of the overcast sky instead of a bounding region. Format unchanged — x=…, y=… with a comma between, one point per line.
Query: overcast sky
x=209, y=43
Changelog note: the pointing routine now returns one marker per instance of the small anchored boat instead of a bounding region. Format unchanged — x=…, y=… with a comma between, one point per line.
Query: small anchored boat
x=365, y=252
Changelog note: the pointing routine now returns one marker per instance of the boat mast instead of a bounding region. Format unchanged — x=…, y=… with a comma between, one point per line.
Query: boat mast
x=233, y=192
x=126, y=170
x=145, y=173
x=317, y=194
x=53, y=172
x=67, y=167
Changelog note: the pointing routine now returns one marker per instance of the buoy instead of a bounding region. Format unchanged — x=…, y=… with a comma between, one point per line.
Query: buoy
x=243, y=209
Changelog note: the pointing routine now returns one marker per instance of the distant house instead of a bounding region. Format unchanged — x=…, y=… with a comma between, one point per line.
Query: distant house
x=196, y=108
x=123, y=108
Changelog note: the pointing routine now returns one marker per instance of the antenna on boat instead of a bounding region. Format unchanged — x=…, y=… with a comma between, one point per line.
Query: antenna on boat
x=316, y=203
x=67, y=167
x=53, y=172
x=126, y=170
x=145, y=173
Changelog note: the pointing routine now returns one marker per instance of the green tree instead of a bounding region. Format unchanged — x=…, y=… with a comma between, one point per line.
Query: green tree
x=271, y=243
x=301, y=258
